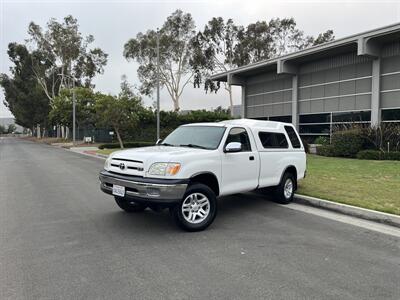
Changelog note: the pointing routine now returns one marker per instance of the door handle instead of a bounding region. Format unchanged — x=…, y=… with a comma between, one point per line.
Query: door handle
x=251, y=157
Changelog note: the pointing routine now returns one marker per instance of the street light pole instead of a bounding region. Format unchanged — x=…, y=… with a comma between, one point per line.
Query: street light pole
x=73, y=111
x=73, y=102
x=158, y=84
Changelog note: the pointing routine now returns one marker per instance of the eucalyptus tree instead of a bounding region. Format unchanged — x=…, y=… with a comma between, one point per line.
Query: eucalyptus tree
x=175, y=51
x=265, y=40
x=215, y=52
x=222, y=45
x=23, y=95
x=287, y=37
x=64, y=56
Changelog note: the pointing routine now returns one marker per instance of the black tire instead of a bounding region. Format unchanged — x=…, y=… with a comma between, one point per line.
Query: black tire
x=197, y=190
x=129, y=206
x=280, y=195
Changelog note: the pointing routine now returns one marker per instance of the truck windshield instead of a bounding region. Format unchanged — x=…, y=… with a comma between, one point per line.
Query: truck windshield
x=204, y=137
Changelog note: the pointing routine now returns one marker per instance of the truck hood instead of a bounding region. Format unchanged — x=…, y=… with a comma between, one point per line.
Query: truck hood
x=137, y=161
x=152, y=154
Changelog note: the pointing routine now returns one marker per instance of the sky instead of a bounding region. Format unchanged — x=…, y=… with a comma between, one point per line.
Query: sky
x=113, y=23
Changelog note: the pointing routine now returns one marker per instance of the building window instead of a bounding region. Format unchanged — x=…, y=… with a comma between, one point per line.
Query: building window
x=315, y=129
x=293, y=137
x=286, y=119
x=324, y=124
x=271, y=140
x=391, y=115
x=351, y=117
x=315, y=118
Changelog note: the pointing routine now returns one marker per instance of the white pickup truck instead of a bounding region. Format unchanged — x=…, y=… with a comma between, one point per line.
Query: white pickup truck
x=197, y=163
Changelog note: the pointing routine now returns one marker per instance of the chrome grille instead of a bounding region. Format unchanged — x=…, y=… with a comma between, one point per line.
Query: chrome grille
x=127, y=166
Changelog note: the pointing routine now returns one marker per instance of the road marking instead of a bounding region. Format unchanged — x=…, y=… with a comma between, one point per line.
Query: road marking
x=378, y=227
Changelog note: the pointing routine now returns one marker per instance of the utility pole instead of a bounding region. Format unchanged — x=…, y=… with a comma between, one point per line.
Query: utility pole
x=73, y=104
x=73, y=112
x=158, y=84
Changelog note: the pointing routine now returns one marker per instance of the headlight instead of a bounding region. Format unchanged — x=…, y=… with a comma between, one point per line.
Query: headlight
x=164, y=169
x=107, y=163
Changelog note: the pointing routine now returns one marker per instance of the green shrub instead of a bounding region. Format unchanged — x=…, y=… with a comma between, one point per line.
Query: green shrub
x=321, y=140
x=347, y=143
x=326, y=150
x=126, y=145
x=378, y=155
x=395, y=155
x=369, y=154
x=386, y=136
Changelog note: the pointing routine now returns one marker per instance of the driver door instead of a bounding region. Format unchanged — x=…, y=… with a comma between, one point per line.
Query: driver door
x=240, y=170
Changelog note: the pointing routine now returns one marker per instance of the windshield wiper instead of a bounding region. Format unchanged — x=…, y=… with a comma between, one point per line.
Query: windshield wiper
x=194, y=146
x=166, y=144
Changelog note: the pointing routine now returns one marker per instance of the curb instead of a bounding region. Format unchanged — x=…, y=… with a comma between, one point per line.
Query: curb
x=354, y=211
x=97, y=155
x=101, y=155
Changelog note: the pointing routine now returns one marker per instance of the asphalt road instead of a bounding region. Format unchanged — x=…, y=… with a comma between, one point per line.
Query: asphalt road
x=61, y=238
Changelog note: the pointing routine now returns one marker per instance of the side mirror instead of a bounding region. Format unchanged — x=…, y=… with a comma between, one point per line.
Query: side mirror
x=158, y=141
x=233, y=147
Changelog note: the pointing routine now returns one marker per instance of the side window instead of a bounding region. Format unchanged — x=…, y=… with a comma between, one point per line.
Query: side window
x=239, y=135
x=293, y=137
x=272, y=140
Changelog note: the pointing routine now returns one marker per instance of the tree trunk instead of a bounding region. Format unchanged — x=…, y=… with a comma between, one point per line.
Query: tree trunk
x=119, y=138
x=175, y=99
x=38, y=131
x=228, y=88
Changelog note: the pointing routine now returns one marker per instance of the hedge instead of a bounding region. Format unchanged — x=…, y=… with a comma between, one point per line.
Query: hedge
x=378, y=155
x=347, y=143
x=126, y=145
x=326, y=150
x=321, y=140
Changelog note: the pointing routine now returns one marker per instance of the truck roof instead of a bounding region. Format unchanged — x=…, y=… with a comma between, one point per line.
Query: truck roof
x=256, y=123
x=253, y=124
x=205, y=124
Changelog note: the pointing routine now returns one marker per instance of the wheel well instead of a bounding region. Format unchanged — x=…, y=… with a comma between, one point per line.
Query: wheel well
x=292, y=170
x=207, y=179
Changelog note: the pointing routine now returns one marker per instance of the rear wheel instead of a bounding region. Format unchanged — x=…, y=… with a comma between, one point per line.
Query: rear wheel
x=284, y=192
x=129, y=206
x=197, y=210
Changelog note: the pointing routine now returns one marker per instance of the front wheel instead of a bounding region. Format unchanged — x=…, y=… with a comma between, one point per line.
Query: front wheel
x=197, y=210
x=284, y=192
x=129, y=206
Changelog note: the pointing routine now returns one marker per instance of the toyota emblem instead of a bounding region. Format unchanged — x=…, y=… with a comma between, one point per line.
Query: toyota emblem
x=122, y=166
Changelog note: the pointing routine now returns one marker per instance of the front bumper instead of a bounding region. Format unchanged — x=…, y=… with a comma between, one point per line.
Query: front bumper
x=145, y=190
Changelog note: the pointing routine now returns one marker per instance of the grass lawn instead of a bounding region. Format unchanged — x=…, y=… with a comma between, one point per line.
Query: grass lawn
x=365, y=183
x=107, y=151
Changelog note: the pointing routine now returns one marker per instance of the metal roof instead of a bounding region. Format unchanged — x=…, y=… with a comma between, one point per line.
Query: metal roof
x=352, y=41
